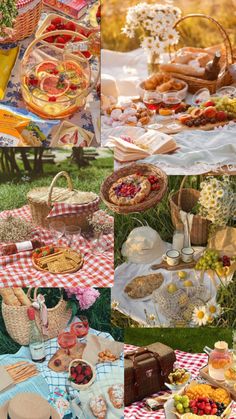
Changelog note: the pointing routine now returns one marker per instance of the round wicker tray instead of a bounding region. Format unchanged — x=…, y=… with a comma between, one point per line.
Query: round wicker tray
x=78, y=266
x=144, y=169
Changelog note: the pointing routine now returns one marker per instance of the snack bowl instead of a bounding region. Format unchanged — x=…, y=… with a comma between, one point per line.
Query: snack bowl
x=79, y=368
x=182, y=93
x=178, y=386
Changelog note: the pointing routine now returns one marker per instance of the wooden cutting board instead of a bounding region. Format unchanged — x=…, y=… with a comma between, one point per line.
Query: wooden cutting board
x=75, y=353
x=181, y=265
x=205, y=374
x=168, y=121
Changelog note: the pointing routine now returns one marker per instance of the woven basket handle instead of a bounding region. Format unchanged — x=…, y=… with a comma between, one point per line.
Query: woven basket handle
x=36, y=292
x=69, y=185
x=180, y=191
x=225, y=36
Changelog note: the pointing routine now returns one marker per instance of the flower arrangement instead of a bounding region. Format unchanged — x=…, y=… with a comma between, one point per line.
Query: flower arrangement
x=217, y=200
x=81, y=298
x=155, y=22
x=8, y=13
x=204, y=315
x=101, y=223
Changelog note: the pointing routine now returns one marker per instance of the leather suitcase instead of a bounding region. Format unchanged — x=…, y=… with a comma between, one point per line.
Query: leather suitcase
x=146, y=371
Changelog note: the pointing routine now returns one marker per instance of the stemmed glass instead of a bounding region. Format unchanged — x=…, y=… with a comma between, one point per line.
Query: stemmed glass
x=57, y=229
x=67, y=340
x=72, y=234
x=172, y=100
x=80, y=328
x=152, y=100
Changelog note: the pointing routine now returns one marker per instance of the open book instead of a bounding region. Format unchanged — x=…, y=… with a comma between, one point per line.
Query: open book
x=131, y=148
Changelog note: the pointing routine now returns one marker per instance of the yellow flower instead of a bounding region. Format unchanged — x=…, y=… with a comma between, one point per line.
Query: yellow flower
x=115, y=304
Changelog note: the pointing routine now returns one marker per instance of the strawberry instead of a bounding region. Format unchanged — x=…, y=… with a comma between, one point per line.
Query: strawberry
x=214, y=411
x=86, y=54
x=56, y=21
x=86, y=381
x=70, y=26
x=209, y=103
x=194, y=410
x=82, y=31
x=51, y=28
x=67, y=37
x=73, y=376
x=61, y=26
x=88, y=371
x=79, y=378
x=50, y=39
x=78, y=369
x=52, y=99
x=221, y=116
x=61, y=40
x=77, y=39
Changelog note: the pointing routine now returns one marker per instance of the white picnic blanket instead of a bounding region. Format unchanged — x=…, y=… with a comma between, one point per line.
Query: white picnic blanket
x=136, y=308
x=200, y=151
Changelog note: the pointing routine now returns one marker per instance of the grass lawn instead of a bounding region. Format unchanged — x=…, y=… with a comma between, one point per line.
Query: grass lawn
x=13, y=190
x=188, y=340
x=98, y=315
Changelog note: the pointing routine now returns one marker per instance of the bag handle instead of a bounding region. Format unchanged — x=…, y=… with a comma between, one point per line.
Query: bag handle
x=36, y=292
x=55, y=179
x=180, y=192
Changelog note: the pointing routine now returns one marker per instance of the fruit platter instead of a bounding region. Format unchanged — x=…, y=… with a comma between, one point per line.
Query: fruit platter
x=199, y=400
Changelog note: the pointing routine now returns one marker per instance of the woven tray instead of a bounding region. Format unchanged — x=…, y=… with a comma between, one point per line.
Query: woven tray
x=78, y=266
x=145, y=170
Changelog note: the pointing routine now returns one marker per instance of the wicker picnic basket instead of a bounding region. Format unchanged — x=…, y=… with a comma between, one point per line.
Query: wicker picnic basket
x=29, y=12
x=18, y=325
x=224, y=78
x=185, y=199
x=143, y=169
x=41, y=201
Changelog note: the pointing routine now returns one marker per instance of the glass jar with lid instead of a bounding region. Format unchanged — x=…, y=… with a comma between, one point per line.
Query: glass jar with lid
x=220, y=359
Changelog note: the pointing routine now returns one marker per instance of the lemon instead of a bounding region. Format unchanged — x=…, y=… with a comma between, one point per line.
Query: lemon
x=188, y=283
x=172, y=288
x=182, y=275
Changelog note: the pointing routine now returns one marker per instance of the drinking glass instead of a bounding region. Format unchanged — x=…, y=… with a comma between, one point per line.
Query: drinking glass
x=172, y=100
x=67, y=340
x=72, y=234
x=152, y=100
x=80, y=328
x=57, y=229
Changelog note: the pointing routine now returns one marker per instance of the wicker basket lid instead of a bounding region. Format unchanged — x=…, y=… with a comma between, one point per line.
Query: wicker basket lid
x=52, y=194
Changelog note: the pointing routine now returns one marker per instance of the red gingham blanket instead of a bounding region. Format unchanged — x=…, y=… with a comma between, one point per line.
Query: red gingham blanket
x=60, y=208
x=192, y=362
x=17, y=270
x=24, y=3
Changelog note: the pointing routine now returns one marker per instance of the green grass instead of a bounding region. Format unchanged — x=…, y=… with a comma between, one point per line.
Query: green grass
x=98, y=316
x=188, y=340
x=13, y=189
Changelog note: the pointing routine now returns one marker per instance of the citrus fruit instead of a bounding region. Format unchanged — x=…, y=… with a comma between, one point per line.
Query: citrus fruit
x=53, y=86
x=182, y=275
x=172, y=288
x=46, y=67
x=188, y=283
x=165, y=112
x=74, y=72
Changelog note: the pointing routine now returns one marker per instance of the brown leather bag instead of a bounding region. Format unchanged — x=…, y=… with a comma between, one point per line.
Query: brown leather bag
x=146, y=371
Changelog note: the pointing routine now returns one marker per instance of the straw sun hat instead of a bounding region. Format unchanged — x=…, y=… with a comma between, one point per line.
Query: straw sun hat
x=28, y=406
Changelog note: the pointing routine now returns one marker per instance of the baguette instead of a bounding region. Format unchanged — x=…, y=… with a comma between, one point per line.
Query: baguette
x=22, y=297
x=9, y=297
x=185, y=69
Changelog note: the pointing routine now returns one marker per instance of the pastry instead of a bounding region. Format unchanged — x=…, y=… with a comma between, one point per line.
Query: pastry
x=106, y=356
x=21, y=296
x=130, y=190
x=116, y=395
x=141, y=286
x=98, y=407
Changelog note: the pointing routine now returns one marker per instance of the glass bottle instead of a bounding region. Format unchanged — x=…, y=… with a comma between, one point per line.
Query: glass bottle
x=212, y=69
x=178, y=238
x=36, y=341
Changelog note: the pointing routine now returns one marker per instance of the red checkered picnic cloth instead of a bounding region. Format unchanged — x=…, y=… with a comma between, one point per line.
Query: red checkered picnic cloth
x=60, y=208
x=192, y=362
x=17, y=270
x=24, y=3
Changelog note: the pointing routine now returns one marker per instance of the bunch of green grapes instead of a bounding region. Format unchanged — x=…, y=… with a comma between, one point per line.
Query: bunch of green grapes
x=181, y=403
x=226, y=104
x=209, y=260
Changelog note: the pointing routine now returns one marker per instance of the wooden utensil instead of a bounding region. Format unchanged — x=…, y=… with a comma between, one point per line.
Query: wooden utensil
x=181, y=265
x=65, y=359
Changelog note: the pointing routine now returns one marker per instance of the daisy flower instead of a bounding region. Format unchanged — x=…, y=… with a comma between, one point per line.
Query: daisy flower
x=200, y=316
x=213, y=309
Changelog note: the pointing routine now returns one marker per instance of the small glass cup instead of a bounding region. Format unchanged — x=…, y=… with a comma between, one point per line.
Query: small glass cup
x=72, y=234
x=57, y=229
x=152, y=100
x=80, y=328
x=172, y=100
x=67, y=340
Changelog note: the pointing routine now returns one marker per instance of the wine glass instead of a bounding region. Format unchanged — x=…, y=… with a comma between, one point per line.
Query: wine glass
x=67, y=340
x=80, y=328
x=172, y=100
x=57, y=229
x=152, y=100
x=72, y=234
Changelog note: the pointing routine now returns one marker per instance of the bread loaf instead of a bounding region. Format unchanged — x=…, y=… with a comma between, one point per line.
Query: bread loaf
x=185, y=69
x=9, y=297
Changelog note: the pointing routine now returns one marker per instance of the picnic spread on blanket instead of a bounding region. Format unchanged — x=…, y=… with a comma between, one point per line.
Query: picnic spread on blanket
x=170, y=104
x=183, y=385
x=69, y=371
x=49, y=89
x=60, y=238
x=160, y=284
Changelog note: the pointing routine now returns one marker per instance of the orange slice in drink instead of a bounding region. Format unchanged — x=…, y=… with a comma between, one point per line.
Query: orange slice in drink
x=74, y=72
x=52, y=86
x=46, y=67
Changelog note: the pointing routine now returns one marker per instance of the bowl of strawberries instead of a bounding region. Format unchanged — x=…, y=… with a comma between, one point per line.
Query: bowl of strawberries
x=81, y=374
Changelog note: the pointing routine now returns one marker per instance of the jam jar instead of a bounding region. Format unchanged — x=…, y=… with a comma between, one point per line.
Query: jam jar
x=220, y=359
